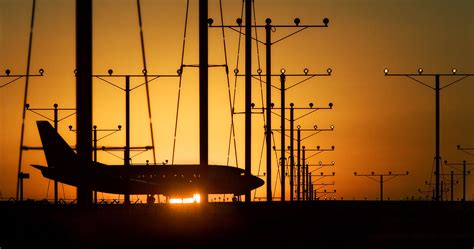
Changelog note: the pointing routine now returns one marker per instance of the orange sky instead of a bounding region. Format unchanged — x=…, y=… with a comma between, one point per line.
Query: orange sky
x=382, y=123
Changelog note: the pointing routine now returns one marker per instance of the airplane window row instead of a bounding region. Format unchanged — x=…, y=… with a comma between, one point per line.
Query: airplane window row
x=164, y=176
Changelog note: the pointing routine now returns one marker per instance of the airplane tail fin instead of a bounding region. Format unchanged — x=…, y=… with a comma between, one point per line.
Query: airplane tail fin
x=58, y=153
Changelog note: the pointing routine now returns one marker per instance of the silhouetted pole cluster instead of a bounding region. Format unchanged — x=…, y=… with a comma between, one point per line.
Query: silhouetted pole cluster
x=464, y=173
x=306, y=175
x=298, y=139
x=451, y=183
x=299, y=149
x=315, y=192
x=269, y=27
x=437, y=90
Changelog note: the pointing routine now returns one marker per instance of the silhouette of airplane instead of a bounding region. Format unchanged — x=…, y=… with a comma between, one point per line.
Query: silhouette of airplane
x=170, y=180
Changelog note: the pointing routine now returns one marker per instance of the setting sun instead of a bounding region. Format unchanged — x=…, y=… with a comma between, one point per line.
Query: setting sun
x=195, y=199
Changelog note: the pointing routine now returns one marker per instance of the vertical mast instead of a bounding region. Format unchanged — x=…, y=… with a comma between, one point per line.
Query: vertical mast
x=248, y=92
x=268, y=131
x=84, y=91
x=203, y=94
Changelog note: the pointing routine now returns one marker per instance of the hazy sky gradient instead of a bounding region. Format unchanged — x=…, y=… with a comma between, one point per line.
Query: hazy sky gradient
x=382, y=123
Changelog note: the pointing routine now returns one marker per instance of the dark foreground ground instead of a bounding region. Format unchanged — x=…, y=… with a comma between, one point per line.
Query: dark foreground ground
x=323, y=224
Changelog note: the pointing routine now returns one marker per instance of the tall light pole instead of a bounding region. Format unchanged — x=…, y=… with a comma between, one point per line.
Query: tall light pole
x=84, y=92
x=437, y=90
x=248, y=93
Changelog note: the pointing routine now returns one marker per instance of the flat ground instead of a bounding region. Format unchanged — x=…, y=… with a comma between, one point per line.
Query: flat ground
x=319, y=224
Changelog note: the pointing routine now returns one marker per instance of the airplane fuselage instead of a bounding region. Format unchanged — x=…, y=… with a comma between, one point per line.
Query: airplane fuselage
x=169, y=180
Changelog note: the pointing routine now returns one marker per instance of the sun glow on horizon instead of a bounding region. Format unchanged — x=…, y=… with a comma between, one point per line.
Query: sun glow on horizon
x=195, y=199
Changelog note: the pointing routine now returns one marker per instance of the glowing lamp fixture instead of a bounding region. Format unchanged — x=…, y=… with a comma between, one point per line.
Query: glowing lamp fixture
x=386, y=71
x=454, y=70
x=420, y=70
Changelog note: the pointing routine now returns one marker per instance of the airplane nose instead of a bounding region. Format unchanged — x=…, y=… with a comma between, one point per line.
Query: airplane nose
x=256, y=182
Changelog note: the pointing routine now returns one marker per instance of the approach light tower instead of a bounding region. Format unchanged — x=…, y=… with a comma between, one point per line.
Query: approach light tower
x=380, y=179
x=437, y=90
x=464, y=173
x=21, y=175
x=55, y=121
x=269, y=28
x=128, y=90
x=283, y=88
